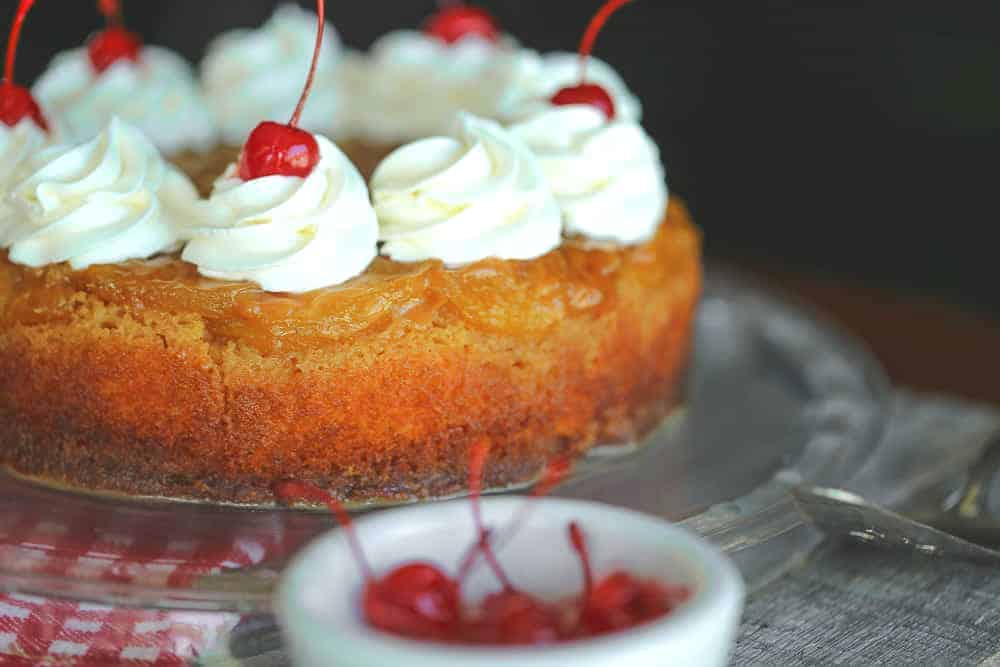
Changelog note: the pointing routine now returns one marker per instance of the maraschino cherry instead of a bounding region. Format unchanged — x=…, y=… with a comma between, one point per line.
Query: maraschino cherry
x=455, y=22
x=273, y=149
x=590, y=93
x=415, y=600
x=508, y=616
x=16, y=102
x=620, y=600
x=419, y=601
x=114, y=43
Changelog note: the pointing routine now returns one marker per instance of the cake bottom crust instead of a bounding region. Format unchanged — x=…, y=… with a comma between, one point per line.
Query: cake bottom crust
x=221, y=466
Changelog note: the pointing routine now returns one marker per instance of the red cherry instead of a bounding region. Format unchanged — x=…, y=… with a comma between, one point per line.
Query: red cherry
x=589, y=93
x=111, y=45
x=586, y=93
x=16, y=102
x=512, y=617
x=415, y=600
x=621, y=601
x=274, y=149
x=451, y=24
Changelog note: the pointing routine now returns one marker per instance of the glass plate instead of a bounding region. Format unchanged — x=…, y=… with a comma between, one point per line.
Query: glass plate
x=775, y=397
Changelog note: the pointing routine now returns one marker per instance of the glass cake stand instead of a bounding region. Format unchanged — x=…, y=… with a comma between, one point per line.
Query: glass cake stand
x=775, y=397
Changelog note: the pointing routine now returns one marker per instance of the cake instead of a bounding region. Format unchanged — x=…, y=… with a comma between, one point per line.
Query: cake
x=529, y=282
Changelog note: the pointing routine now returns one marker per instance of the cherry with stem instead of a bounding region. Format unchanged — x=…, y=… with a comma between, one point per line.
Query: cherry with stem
x=114, y=43
x=510, y=616
x=273, y=149
x=414, y=600
x=591, y=93
x=16, y=102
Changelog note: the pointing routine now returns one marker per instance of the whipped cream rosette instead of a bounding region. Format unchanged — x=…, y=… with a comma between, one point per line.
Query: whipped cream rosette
x=416, y=83
x=605, y=173
x=158, y=94
x=287, y=233
x=104, y=201
x=250, y=75
x=479, y=193
x=544, y=75
x=17, y=144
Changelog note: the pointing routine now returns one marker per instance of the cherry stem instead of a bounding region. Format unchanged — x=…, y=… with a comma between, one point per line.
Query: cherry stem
x=290, y=490
x=15, y=37
x=556, y=471
x=112, y=11
x=321, y=13
x=477, y=464
x=593, y=30
x=579, y=543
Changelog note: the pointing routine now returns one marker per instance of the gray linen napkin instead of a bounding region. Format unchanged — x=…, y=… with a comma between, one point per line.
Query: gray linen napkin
x=856, y=605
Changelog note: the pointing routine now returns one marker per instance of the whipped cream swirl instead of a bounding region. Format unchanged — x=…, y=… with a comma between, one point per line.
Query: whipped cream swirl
x=159, y=95
x=17, y=144
x=105, y=201
x=606, y=175
x=460, y=199
x=543, y=76
x=249, y=76
x=416, y=83
x=285, y=233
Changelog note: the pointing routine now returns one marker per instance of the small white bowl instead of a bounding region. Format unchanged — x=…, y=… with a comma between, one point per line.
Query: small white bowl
x=319, y=610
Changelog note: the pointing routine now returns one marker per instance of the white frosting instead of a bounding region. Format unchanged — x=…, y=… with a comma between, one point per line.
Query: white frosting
x=254, y=75
x=159, y=95
x=460, y=199
x=17, y=144
x=104, y=201
x=285, y=233
x=549, y=73
x=416, y=83
x=606, y=175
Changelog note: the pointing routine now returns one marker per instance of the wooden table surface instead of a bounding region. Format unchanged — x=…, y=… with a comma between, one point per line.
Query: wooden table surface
x=924, y=343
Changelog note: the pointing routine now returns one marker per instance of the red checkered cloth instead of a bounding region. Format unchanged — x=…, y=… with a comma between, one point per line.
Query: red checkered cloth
x=36, y=631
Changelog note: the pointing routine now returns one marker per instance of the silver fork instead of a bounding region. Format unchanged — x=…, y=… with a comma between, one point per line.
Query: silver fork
x=965, y=529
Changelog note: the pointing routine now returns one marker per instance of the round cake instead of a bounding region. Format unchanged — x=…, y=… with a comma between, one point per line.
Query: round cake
x=143, y=377
x=355, y=315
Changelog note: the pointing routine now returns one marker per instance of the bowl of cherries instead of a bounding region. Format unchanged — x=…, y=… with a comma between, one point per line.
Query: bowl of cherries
x=507, y=581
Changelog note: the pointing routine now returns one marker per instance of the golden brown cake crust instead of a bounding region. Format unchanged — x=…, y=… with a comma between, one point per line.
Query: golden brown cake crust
x=143, y=379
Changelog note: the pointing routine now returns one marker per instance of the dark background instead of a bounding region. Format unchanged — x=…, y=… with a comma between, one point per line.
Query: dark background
x=858, y=141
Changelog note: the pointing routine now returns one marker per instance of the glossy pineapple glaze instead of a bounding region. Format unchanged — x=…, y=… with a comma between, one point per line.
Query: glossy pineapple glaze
x=517, y=298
